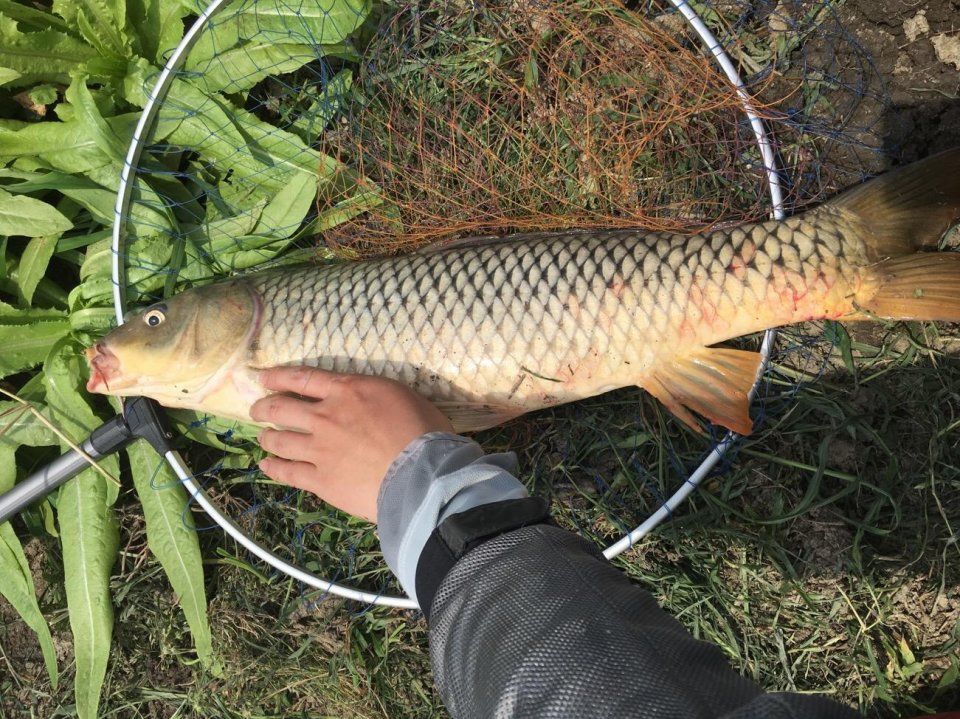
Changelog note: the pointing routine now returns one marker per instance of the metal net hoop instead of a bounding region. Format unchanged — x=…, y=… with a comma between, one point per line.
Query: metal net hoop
x=155, y=98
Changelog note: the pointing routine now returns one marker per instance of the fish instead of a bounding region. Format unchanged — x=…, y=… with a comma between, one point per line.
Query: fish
x=489, y=329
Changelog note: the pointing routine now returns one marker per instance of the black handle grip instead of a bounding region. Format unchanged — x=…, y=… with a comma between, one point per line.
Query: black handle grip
x=141, y=418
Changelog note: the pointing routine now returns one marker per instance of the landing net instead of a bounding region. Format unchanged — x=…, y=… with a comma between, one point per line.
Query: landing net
x=285, y=131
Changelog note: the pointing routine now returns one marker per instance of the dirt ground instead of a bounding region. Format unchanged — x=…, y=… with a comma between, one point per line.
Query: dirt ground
x=915, y=49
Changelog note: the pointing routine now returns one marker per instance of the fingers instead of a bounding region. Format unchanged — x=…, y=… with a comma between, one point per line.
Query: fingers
x=306, y=381
x=288, y=445
x=301, y=475
x=284, y=411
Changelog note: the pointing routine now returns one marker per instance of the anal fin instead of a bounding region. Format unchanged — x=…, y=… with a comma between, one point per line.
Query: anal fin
x=714, y=382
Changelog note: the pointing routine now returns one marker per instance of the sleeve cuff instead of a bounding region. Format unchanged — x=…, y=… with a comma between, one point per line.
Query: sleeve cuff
x=436, y=475
x=462, y=532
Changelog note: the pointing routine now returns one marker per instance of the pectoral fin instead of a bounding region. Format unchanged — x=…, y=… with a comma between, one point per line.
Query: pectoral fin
x=713, y=382
x=467, y=417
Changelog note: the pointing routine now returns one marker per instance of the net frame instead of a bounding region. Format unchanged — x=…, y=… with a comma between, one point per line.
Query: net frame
x=178, y=464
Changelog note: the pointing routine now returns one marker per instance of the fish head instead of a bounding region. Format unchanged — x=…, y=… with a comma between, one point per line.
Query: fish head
x=176, y=349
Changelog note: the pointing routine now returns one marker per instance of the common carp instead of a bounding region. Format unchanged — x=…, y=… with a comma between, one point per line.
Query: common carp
x=489, y=329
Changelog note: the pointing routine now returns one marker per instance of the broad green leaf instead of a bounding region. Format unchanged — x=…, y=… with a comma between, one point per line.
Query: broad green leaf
x=159, y=26
x=148, y=215
x=33, y=263
x=223, y=251
x=243, y=67
x=90, y=538
x=10, y=315
x=89, y=117
x=221, y=35
x=347, y=209
x=76, y=242
x=29, y=217
x=88, y=531
x=245, y=259
x=172, y=539
x=65, y=372
x=33, y=390
x=26, y=346
x=96, y=290
x=43, y=94
x=284, y=214
x=66, y=146
x=8, y=75
x=102, y=23
x=47, y=55
x=212, y=430
x=17, y=582
x=19, y=426
x=32, y=18
x=147, y=257
x=142, y=283
x=95, y=191
x=47, y=293
x=42, y=180
x=233, y=140
x=220, y=234
x=234, y=198
x=308, y=22
x=253, y=251
x=93, y=319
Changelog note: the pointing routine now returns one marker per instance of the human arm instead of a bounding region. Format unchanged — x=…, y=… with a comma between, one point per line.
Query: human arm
x=531, y=622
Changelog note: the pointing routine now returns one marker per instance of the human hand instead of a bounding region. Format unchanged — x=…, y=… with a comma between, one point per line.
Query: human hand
x=338, y=438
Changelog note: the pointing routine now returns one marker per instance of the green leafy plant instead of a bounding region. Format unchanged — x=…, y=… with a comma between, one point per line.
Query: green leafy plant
x=73, y=80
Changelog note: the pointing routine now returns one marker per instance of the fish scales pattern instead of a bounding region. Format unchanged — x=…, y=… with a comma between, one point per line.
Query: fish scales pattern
x=549, y=318
x=492, y=329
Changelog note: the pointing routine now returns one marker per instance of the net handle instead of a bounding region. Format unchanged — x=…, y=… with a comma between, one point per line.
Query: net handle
x=179, y=466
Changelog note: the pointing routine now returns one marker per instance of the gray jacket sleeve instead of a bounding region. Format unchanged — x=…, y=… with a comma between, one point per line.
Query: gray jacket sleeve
x=536, y=623
x=436, y=475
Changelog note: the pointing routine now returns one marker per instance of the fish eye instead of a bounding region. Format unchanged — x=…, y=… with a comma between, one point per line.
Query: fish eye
x=154, y=317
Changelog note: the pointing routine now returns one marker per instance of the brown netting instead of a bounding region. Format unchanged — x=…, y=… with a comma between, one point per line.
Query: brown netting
x=514, y=116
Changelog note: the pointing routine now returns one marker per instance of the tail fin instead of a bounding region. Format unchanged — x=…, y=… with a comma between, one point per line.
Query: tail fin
x=908, y=208
x=902, y=212
x=921, y=286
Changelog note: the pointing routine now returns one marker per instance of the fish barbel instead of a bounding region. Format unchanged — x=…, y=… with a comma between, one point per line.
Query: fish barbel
x=490, y=329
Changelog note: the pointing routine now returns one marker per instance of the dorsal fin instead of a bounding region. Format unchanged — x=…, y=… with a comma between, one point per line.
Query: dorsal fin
x=485, y=240
x=462, y=242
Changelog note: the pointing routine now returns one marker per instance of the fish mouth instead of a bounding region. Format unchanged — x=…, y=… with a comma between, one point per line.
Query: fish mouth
x=104, y=369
